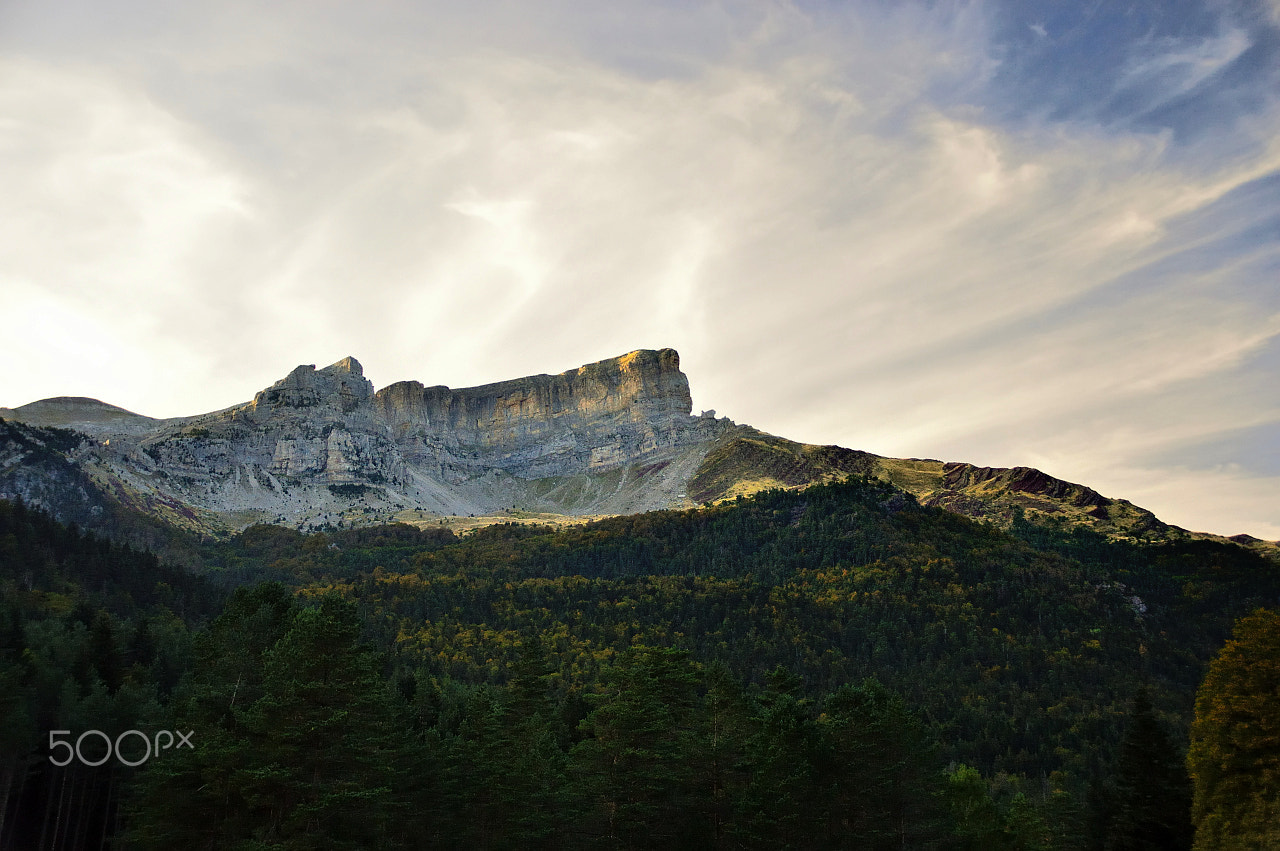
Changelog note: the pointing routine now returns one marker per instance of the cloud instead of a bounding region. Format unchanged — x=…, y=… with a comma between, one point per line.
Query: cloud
x=814, y=204
x=120, y=188
x=110, y=205
x=1272, y=10
x=1167, y=68
x=1222, y=500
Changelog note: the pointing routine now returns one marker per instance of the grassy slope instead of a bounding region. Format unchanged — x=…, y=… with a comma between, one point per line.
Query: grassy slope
x=750, y=461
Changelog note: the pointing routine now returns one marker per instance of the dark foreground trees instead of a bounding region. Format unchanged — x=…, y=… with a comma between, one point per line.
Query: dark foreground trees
x=792, y=671
x=298, y=744
x=1152, y=802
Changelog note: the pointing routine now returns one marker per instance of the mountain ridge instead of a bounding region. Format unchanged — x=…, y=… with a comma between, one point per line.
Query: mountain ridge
x=323, y=447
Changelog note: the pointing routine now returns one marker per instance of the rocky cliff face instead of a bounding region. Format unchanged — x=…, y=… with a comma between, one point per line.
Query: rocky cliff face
x=320, y=446
x=307, y=393
x=596, y=417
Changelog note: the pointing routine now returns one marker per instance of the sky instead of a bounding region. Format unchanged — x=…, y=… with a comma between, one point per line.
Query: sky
x=1009, y=233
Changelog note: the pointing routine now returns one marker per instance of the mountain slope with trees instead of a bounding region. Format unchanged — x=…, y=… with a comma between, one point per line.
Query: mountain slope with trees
x=831, y=667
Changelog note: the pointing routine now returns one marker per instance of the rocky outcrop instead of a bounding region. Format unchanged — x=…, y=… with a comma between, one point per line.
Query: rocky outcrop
x=35, y=468
x=340, y=389
x=594, y=418
x=748, y=461
x=1027, y=480
x=637, y=387
x=998, y=494
x=312, y=427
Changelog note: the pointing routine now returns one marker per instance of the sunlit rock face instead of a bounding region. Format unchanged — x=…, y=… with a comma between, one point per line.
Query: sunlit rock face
x=598, y=416
x=319, y=448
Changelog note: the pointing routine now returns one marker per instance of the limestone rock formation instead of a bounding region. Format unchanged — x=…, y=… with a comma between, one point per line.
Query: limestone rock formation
x=320, y=447
x=340, y=387
x=596, y=417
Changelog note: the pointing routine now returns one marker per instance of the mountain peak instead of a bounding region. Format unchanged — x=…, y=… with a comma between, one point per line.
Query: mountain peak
x=341, y=385
x=348, y=365
x=72, y=411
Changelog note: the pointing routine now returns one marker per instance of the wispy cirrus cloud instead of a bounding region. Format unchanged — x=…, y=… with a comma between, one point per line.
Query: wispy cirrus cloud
x=1161, y=69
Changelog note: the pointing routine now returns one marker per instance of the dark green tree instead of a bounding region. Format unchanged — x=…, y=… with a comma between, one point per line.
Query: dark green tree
x=1234, y=759
x=636, y=772
x=508, y=776
x=722, y=776
x=978, y=824
x=782, y=804
x=192, y=797
x=879, y=771
x=297, y=740
x=1151, y=810
x=329, y=756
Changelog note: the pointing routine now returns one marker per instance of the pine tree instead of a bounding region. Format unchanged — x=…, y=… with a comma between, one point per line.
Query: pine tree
x=636, y=772
x=328, y=763
x=722, y=776
x=978, y=823
x=191, y=797
x=782, y=805
x=297, y=741
x=879, y=770
x=1152, y=804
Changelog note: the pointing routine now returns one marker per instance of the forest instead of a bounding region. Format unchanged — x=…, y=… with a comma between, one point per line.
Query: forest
x=836, y=667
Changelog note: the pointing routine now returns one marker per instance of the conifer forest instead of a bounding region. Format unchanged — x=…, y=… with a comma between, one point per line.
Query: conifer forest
x=836, y=667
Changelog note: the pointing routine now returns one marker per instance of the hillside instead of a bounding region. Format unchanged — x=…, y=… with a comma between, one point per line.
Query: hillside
x=747, y=461
x=765, y=660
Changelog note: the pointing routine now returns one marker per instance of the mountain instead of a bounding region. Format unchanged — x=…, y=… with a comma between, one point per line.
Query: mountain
x=321, y=448
x=86, y=415
x=790, y=654
x=799, y=666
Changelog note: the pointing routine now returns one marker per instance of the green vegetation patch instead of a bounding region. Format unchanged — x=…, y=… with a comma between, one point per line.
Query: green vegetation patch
x=349, y=491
